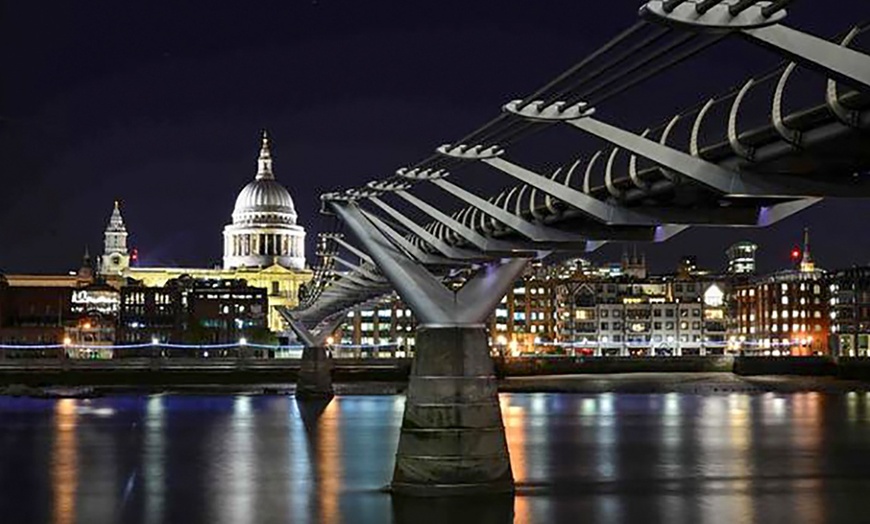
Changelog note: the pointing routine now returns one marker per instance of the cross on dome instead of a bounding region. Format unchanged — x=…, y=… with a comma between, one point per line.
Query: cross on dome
x=264, y=162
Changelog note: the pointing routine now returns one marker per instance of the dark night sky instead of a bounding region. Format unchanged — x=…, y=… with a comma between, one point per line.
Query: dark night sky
x=159, y=105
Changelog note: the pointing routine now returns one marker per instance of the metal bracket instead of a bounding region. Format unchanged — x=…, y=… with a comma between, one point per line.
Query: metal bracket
x=696, y=13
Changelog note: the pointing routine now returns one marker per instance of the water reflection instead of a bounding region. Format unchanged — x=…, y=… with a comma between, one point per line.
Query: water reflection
x=154, y=459
x=799, y=457
x=328, y=455
x=64, y=462
x=497, y=509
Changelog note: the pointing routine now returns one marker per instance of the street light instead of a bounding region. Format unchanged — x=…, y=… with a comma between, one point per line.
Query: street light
x=155, y=341
x=243, y=341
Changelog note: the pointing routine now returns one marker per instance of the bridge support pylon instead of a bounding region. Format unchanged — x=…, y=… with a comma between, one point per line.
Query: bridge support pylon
x=452, y=440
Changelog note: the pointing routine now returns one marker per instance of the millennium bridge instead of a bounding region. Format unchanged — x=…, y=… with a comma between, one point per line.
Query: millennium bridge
x=712, y=165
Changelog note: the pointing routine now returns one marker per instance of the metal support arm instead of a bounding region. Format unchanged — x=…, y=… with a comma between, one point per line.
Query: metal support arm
x=441, y=246
x=840, y=62
x=434, y=304
x=530, y=230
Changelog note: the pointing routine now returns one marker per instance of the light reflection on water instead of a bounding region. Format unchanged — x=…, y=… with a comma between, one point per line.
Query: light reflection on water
x=801, y=457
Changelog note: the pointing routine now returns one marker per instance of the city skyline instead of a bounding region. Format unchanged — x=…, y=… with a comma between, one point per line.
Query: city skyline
x=100, y=126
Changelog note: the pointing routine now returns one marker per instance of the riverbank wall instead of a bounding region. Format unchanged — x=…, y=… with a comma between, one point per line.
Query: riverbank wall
x=179, y=372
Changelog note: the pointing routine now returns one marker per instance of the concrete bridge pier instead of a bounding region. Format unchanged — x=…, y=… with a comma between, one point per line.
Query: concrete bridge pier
x=452, y=440
x=315, y=374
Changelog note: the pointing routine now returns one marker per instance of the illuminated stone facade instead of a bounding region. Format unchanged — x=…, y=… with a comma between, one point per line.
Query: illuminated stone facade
x=281, y=284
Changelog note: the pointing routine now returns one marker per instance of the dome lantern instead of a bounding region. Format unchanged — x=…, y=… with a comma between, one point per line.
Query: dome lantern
x=264, y=162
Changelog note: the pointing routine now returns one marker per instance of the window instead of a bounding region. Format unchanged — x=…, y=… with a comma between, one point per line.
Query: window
x=276, y=288
x=657, y=325
x=617, y=313
x=605, y=326
x=657, y=312
x=604, y=313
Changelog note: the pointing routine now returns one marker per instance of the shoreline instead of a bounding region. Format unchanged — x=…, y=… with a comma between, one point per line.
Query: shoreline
x=707, y=383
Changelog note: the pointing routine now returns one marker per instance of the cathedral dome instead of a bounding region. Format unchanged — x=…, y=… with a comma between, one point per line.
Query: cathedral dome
x=264, y=230
x=264, y=200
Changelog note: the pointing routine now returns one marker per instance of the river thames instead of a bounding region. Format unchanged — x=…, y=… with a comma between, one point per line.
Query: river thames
x=608, y=457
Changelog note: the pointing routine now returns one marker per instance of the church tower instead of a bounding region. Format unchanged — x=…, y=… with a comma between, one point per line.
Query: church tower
x=115, y=257
x=807, y=265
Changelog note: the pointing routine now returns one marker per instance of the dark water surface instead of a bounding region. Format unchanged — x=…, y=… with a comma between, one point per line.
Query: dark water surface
x=731, y=458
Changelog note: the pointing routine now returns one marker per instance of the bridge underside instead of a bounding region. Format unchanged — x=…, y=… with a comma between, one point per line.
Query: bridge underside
x=640, y=186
